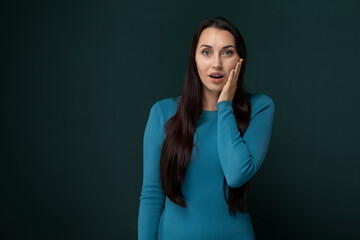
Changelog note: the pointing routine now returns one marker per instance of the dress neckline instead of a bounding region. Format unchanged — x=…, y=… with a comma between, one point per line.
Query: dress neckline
x=209, y=113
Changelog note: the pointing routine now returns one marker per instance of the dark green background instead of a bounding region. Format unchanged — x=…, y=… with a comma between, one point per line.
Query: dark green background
x=78, y=80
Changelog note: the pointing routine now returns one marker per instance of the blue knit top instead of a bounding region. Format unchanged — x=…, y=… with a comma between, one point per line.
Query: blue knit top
x=221, y=152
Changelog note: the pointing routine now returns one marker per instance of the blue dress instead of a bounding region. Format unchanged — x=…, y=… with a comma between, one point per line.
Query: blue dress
x=221, y=152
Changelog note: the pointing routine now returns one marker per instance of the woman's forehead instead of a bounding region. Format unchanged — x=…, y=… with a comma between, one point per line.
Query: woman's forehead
x=216, y=38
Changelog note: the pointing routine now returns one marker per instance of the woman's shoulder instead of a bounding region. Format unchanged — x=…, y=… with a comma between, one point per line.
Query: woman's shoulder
x=169, y=102
x=260, y=101
x=167, y=107
x=260, y=98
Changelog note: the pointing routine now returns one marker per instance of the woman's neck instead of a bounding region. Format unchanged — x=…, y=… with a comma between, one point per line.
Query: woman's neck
x=209, y=100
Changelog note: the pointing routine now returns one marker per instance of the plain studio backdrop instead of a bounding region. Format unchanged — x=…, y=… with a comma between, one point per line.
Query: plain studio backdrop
x=78, y=80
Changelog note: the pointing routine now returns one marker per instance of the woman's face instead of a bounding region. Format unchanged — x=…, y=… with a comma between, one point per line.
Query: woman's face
x=215, y=54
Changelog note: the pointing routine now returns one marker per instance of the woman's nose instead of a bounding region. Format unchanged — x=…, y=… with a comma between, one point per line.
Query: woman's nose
x=217, y=63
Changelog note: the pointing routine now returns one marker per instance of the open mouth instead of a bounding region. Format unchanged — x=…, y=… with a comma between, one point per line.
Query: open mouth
x=216, y=76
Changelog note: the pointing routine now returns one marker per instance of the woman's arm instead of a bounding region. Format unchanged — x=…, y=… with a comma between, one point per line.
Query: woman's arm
x=152, y=197
x=240, y=157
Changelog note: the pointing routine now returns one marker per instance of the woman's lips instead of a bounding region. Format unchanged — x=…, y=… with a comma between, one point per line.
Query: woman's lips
x=216, y=80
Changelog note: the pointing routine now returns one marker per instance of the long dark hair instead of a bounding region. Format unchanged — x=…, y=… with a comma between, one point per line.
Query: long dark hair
x=180, y=129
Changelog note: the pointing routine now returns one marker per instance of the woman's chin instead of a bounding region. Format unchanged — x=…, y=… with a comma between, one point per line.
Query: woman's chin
x=217, y=89
x=213, y=89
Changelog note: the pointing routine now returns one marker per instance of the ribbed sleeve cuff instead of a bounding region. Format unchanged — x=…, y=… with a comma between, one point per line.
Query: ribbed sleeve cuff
x=223, y=105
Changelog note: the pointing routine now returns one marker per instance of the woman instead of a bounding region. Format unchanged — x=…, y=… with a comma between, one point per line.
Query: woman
x=202, y=147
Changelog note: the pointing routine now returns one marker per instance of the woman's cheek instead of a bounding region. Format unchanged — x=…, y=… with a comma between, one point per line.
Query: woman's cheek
x=204, y=61
x=234, y=64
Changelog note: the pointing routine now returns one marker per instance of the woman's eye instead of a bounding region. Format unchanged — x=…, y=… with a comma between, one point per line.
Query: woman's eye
x=204, y=52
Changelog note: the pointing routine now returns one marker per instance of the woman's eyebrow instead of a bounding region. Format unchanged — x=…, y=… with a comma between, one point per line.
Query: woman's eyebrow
x=204, y=45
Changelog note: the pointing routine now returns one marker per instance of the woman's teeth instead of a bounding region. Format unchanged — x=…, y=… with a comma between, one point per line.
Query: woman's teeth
x=216, y=76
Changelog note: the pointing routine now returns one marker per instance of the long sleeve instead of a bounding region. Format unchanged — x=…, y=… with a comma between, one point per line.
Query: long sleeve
x=152, y=197
x=241, y=157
